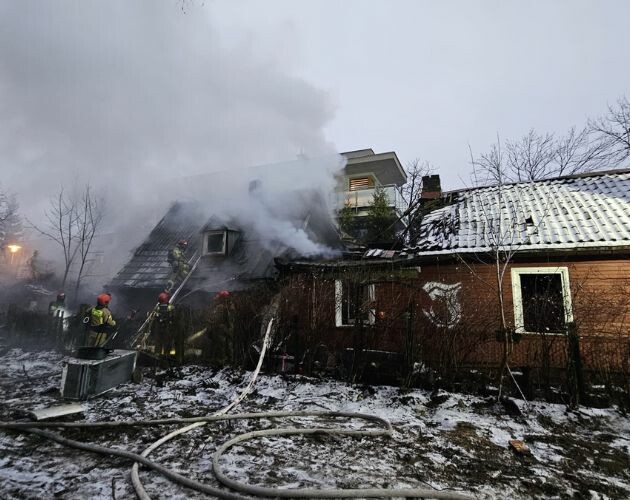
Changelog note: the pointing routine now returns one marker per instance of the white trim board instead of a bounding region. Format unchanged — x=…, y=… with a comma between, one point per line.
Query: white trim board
x=517, y=298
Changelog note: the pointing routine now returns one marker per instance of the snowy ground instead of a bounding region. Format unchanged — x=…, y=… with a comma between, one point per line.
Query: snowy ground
x=455, y=442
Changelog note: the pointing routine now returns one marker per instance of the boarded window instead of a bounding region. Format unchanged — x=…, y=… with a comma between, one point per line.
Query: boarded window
x=359, y=183
x=543, y=302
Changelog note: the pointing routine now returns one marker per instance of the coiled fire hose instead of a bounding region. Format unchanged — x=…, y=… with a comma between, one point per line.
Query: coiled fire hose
x=195, y=422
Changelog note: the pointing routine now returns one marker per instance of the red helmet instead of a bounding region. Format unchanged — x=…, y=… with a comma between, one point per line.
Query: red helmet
x=163, y=298
x=182, y=243
x=103, y=299
x=61, y=297
x=223, y=294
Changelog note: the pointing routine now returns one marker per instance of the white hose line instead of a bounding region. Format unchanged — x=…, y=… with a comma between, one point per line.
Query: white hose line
x=183, y=420
x=135, y=476
x=386, y=430
x=319, y=493
x=112, y=452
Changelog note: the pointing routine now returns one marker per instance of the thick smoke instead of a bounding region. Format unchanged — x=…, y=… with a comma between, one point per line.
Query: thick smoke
x=143, y=100
x=274, y=203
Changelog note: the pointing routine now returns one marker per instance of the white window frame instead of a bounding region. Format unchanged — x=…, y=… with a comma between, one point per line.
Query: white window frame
x=517, y=298
x=371, y=288
x=205, y=242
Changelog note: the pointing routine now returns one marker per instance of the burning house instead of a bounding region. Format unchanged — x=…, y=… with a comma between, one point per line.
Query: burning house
x=536, y=263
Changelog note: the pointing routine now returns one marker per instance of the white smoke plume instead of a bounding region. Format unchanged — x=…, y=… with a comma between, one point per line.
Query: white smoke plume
x=135, y=98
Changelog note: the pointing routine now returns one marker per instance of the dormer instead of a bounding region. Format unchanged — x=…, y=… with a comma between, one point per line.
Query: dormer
x=218, y=240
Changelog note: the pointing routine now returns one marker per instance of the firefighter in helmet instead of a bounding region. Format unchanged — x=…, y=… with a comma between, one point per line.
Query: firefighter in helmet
x=179, y=265
x=100, y=322
x=58, y=304
x=56, y=322
x=162, y=326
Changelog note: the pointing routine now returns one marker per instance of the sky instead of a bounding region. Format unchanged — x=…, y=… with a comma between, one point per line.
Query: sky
x=133, y=96
x=428, y=79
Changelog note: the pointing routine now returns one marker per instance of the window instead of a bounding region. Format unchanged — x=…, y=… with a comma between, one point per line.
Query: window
x=542, y=299
x=214, y=243
x=359, y=183
x=354, y=303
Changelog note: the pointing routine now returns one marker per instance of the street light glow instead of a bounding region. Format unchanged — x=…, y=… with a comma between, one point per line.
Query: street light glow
x=14, y=248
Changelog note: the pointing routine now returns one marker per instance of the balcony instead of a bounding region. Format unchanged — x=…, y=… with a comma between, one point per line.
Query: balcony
x=361, y=199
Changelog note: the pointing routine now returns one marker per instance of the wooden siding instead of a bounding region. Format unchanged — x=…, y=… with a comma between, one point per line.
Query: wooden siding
x=405, y=312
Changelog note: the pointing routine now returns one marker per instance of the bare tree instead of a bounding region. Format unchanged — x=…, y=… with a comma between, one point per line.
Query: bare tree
x=613, y=130
x=61, y=228
x=89, y=215
x=10, y=224
x=506, y=224
x=540, y=156
x=577, y=152
x=529, y=158
x=72, y=222
x=412, y=194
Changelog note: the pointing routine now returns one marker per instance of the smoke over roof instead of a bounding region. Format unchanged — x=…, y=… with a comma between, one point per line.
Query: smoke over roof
x=132, y=96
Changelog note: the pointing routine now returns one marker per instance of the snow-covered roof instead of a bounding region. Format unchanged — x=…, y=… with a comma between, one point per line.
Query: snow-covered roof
x=588, y=211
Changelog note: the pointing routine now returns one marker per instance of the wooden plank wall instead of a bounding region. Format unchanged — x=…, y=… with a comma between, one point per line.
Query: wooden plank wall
x=600, y=293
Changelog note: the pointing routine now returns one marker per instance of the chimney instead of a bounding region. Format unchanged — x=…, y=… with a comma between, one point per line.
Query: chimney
x=431, y=187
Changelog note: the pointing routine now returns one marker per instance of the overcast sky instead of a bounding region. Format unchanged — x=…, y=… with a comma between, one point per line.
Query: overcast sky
x=427, y=78
x=127, y=95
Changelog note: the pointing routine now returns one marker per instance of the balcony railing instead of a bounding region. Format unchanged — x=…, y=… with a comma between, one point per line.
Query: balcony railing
x=361, y=199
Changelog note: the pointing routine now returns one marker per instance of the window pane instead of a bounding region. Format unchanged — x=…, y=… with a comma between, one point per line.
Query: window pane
x=355, y=302
x=215, y=243
x=543, y=302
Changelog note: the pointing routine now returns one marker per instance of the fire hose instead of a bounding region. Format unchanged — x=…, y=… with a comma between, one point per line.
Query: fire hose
x=238, y=486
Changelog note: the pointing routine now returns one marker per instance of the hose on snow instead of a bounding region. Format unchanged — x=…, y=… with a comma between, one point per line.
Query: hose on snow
x=196, y=422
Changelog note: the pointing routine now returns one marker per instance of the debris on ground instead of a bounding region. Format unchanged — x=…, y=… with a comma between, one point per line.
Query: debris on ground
x=519, y=447
x=458, y=444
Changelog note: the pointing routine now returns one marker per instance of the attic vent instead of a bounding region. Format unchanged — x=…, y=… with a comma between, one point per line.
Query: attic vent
x=359, y=183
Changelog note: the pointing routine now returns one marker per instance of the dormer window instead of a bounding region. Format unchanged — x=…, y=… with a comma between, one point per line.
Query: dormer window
x=218, y=240
x=214, y=243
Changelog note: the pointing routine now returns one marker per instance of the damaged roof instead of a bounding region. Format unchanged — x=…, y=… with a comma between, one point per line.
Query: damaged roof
x=579, y=212
x=251, y=255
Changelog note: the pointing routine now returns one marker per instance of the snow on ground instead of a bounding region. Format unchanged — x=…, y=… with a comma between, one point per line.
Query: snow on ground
x=456, y=442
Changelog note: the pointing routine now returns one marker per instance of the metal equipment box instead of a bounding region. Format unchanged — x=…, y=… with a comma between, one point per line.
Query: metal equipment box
x=84, y=378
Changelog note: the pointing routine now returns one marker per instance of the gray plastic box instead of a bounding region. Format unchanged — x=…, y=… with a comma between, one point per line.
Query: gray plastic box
x=84, y=378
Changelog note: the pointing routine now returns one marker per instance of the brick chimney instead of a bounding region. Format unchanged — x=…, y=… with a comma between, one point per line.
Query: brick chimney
x=431, y=188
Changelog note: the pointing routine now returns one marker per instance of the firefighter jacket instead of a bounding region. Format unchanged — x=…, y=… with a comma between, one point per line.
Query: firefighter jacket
x=55, y=306
x=177, y=257
x=100, y=319
x=164, y=313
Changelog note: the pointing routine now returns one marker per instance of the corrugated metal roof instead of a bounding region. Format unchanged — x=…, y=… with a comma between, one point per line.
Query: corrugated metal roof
x=564, y=213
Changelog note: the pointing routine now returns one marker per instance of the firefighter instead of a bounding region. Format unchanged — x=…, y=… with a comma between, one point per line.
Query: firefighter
x=162, y=326
x=100, y=322
x=220, y=332
x=59, y=304
x=56, y=313
x=179, y=264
